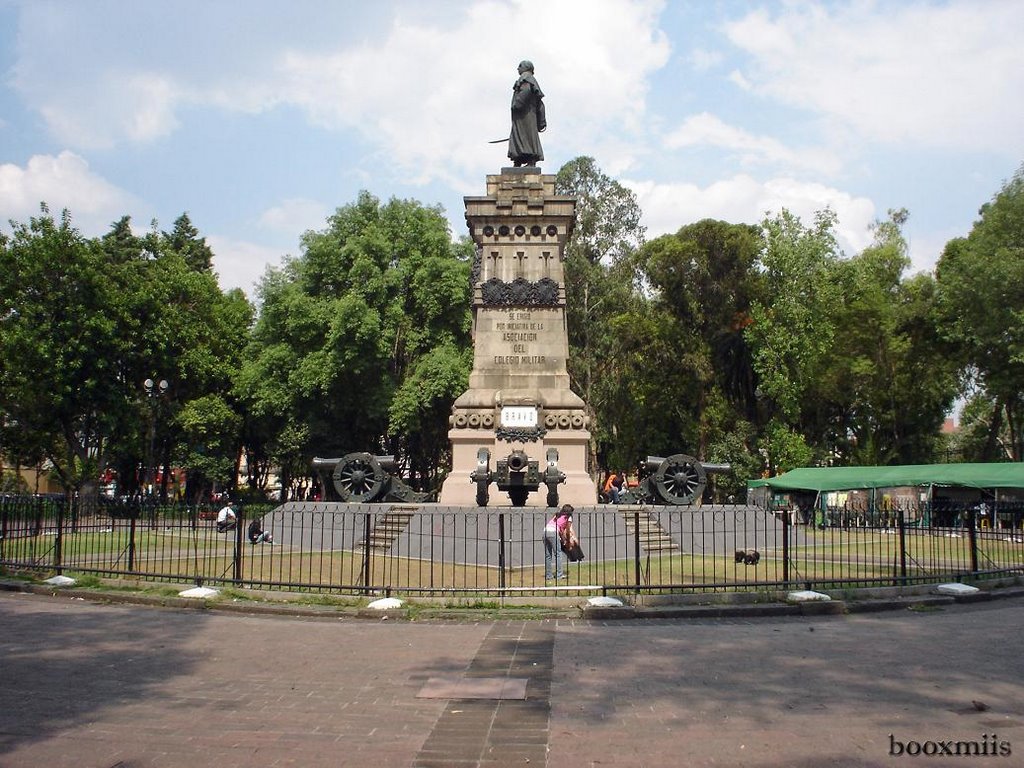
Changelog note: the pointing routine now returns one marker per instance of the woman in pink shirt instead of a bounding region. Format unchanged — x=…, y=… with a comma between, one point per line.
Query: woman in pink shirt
x=558, y=531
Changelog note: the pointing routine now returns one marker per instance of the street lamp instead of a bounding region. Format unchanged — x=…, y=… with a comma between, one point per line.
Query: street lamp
x=154, y=390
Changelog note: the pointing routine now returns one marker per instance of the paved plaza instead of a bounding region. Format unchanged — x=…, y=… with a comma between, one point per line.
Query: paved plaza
x=103, y=686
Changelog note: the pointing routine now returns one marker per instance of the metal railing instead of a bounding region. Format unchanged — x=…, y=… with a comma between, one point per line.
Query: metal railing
x=431, y=550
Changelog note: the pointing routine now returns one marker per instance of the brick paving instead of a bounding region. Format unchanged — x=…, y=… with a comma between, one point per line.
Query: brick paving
x=100, y=686
x=500, y=732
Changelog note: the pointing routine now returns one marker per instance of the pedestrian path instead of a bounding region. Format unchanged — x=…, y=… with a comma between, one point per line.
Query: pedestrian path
x=88, y=685
x=499, y=731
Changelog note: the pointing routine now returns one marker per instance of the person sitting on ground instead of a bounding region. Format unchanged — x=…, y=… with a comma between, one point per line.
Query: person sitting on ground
x=609, y=487
x=257, y=534
x=614, y=486
x=226, y=518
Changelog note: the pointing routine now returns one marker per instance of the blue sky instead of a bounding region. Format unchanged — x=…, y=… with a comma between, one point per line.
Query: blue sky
x=260, y=118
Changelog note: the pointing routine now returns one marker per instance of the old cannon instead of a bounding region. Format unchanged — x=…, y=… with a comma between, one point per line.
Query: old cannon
x=518, y=475
x=677, y=480
x=362, y=477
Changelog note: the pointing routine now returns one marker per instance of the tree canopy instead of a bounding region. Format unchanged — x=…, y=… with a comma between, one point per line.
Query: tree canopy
x=761, y=345
x=362, y=342
x=85, y=323
x=981, y=304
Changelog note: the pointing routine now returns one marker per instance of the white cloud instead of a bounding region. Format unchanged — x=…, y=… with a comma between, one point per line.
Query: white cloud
x=428, y=93
x=736, y=78
x=154, y=98
x=64, y=181
x=295, y=216
x=706, y=130
x=926, y=248
x=703, y=60
x=944, y=75
x=431, y=97
x=240, y=264
x=667, y=207
x=138, y=107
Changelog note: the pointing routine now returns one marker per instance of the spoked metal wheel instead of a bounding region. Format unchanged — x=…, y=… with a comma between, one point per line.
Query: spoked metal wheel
x=680, y=479
x=358, y=477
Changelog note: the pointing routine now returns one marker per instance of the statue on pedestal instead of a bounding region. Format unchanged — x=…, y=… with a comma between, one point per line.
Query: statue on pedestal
x=528, y=119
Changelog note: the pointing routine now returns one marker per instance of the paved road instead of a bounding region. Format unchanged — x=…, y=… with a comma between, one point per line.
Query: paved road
x=99, y=686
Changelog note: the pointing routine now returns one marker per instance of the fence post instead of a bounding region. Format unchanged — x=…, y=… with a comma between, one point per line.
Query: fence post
x=972, y=534
x=132, y=518
x=501, y=550
x=3, y=528
x=238, y=549
x=58, y=543
x=902, y=524
x=636, y=550
x=785, y=546
x=40, y=511
x=366, y=552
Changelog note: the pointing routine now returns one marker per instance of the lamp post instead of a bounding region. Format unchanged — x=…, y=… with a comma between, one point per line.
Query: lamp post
x=154, y=391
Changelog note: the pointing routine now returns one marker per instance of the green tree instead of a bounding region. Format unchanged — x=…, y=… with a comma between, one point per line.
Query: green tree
x=792, y=328
x=889, y=383
x=599, y=285
x=67, y=347
x=184, y=239
x=191, y=334
x=377, y=299
x=703, y=284
x=981, y=297
x=85, y=323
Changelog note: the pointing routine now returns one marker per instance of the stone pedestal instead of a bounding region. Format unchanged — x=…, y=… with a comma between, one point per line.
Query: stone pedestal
x=519, y=396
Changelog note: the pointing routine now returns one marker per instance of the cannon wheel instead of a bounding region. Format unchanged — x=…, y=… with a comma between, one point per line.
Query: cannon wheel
x=359, y=477
x=680, y=479
x=482, y=476
x=552, y=477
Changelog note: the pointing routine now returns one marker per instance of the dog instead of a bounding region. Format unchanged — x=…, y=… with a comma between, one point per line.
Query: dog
x=748, y=556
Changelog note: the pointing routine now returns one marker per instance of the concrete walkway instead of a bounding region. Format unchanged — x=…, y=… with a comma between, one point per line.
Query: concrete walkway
x=98, y=686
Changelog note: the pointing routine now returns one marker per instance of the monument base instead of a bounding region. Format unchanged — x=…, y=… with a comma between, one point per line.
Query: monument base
x=519, y=396
x=578, y=489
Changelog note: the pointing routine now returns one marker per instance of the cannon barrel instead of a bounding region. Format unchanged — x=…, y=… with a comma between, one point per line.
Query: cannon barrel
x=676, y=480
x=518, y=461
x=517, y=475
x=716, y=468
x=363, y=477
x=387, y=462
x=654, y=462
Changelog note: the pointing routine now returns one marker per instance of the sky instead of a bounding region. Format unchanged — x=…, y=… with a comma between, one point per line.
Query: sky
x=259, y=118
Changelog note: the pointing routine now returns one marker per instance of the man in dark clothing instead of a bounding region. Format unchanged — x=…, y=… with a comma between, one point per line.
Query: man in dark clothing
x=528, y=118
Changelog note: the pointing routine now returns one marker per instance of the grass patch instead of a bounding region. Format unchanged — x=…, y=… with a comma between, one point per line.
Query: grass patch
x=85, y=580
x=491, y=605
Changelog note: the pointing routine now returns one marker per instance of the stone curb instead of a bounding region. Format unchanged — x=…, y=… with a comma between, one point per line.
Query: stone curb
x=594, y=613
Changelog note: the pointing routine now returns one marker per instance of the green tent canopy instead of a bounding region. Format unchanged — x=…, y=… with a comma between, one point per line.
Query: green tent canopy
x=1008, y=475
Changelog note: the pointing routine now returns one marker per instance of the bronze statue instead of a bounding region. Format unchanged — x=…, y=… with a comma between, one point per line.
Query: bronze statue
x=528, y=118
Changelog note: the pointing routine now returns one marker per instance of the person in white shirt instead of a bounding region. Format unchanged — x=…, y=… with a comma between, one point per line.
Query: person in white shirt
x=226, y=518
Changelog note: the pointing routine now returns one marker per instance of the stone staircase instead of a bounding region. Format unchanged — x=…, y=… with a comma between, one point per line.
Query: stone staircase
x=389, y=526
x=653, y=538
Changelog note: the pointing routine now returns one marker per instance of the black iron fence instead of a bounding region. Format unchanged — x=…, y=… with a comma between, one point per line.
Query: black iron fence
x=431, y=550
